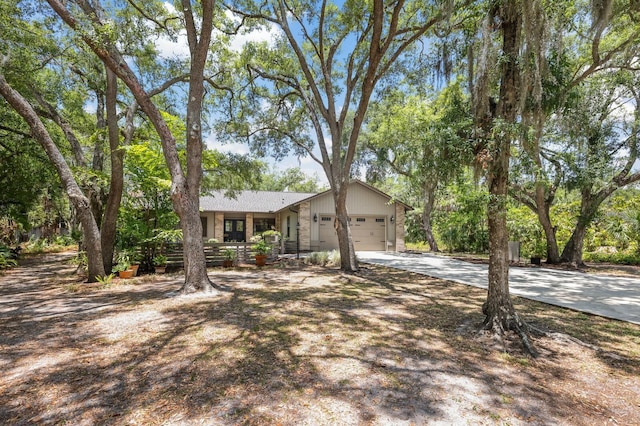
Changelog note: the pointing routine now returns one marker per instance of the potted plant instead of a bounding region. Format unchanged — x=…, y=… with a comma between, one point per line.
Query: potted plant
x=123, y=268
x=261, y=249
x=160, y=263
x=133, y=257
x=228, y=257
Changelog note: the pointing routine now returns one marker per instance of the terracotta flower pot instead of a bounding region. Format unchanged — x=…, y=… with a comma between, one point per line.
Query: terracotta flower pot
x=261, y=259
x=134, y=268
x=125, y=274
x=227, y=263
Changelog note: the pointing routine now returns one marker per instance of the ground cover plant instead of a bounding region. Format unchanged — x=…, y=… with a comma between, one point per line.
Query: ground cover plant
x=295, y=344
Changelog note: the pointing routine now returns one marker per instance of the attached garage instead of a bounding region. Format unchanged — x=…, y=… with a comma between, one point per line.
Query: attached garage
x=369, y=233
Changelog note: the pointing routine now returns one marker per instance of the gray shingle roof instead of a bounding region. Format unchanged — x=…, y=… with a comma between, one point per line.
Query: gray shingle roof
x=251, y=201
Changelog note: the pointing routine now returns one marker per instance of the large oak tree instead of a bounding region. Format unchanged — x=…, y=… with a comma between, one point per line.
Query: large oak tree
x=313, y=87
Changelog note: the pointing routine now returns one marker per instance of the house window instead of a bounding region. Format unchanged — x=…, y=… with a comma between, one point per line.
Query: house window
x=326, y=219
x=288, y=226
x=204, y=226
x=380, y=220
x=261, y=225
x=361, y=219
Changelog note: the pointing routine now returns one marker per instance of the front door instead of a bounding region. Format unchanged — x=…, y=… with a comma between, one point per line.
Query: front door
x=234, y=230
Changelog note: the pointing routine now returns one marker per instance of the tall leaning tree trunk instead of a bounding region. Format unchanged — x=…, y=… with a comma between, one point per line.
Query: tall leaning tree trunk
x=110, y=219
x=498, y=308
x=572, y=252
x=195, y=263
x=79, y=201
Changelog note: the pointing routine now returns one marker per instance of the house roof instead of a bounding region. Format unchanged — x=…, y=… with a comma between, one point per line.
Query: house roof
x=252, y=201
x=369, y=187
x=269, y=201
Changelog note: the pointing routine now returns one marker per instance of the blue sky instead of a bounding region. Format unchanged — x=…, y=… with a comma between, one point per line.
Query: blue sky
x=180, y=48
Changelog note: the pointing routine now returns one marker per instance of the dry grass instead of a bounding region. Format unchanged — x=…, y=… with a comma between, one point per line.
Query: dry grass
x=298, y=345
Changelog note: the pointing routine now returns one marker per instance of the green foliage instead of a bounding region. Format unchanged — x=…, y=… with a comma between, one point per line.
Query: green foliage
x=272, y=235
x=261, y=247
x=105, y=281
x=121, y=266
x=317, y=258
x=160, y=260
x=460, y=220
x=524, y=228
x=146, y=211
x=6, y=258
x=622, y=258
x=54, y=244
x=292, y=180
x=323, y=258
x=80, y=260
x=229, y=254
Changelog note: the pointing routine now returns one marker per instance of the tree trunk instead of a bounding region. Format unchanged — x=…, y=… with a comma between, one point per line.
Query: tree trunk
x=348, y=261
x=79, y=201
x=109, y=221
x=542, y=210
x=187, y=203
x=429, y=202
x=572, y=252
x=498, y=308
x=95, y=192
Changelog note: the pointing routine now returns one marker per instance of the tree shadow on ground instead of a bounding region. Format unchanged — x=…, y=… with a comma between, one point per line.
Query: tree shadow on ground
x=286, y=346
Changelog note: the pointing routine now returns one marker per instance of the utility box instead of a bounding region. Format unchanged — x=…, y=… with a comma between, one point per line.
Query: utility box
x=514, y=251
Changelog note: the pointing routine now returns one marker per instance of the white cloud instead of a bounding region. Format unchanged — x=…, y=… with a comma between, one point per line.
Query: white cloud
x=268, y=33
x=179, y=48
x=234, y=148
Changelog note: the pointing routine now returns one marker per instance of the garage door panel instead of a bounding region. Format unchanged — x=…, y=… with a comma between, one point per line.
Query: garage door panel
x=368, y=233
x=327, y=235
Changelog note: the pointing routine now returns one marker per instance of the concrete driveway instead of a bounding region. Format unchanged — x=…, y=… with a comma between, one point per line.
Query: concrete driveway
x=608, y=296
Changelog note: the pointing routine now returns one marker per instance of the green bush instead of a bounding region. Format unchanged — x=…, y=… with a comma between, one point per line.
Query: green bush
x=620, y=258
x=323, y=258
x=6, y=260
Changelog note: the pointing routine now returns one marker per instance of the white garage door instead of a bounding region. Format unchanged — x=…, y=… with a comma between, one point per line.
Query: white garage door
x=368, y=233
x=327, y=234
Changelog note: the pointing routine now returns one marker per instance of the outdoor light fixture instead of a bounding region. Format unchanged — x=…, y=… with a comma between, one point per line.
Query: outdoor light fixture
x=315, y=217
x=391, y=219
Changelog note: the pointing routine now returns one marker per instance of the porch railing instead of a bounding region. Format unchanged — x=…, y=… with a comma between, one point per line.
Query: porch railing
x=214, y=253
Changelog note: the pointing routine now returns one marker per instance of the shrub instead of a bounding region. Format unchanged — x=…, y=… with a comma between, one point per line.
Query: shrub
x=160, y=260
x=323, y=258
x=6, y=258
x=334, y=258
x=261, y=247
x=621, y=258
x=317, y=258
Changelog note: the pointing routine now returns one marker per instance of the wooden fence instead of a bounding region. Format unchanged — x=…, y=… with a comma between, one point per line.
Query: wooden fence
x=214, y=253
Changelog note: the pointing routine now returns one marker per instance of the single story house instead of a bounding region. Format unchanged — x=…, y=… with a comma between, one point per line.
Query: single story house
x=307, y=219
